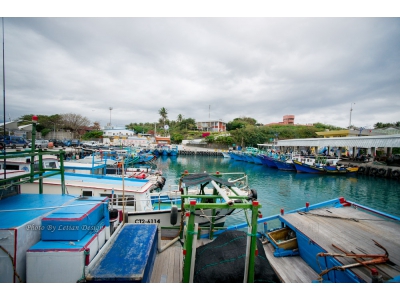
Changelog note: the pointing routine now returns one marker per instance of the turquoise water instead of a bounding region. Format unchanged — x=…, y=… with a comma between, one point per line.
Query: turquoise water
x=289, y=190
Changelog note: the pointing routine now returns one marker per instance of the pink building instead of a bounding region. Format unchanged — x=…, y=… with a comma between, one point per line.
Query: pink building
x=287, y=120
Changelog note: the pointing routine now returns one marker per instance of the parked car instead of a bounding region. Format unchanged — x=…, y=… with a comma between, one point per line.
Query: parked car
x=75, y=143
x=40, y=144
x=12, y=141
x=91, y=144
x=57, y=143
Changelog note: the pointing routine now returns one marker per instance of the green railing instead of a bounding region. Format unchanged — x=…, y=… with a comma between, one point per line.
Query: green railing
x=5, y=182
x=191, y=229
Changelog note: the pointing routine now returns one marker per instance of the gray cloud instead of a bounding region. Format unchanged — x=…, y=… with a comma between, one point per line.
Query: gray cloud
x=263, y=68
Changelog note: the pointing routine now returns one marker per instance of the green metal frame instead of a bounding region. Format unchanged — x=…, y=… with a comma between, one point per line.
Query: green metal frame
x=190, y=207
x=34, y=175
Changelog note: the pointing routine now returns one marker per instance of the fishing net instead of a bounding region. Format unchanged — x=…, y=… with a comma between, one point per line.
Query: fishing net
x=195, y=179
x=223, y=260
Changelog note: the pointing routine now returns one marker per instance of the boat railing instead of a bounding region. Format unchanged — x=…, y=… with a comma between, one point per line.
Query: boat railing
x=172, y=194
x=33, y=175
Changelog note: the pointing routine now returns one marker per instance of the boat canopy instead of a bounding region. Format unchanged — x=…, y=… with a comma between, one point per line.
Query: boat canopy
x=356, y=141
x=195, y=179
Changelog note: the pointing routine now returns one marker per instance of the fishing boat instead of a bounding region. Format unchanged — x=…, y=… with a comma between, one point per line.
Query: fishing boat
x=340, y=170
x=46, y=237
x=314, y=166
x=353, y=243
x=173, y=151
x=269, y=159
x=285, y=161
x=226, y=155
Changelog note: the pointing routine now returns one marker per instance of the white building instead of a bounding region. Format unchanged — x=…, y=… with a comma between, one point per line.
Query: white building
x=212, y=126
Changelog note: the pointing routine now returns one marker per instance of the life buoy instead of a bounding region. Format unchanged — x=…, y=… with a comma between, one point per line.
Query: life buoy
x=174, y=215
x=141, y=176
x=361, y=170
x=395, y=174
x=381, y=172
x=374, y=171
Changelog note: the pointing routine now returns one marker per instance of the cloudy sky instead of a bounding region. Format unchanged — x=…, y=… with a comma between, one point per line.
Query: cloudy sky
x=204, y=67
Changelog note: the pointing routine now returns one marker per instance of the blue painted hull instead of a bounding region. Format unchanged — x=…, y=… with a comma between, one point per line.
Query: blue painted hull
x=269, y=161
x=304, y=168
x=257, y=159
x=285, y=166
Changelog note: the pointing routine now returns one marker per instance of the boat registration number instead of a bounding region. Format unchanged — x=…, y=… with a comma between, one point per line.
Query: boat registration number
x=153, y=221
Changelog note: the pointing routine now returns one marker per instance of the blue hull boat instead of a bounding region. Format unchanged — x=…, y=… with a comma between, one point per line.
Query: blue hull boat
x=269, y=161
x=285, y=166
x=305, y=168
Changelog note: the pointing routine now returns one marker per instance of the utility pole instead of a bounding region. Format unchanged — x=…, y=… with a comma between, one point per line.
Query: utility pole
x=110, y=108
x=209, y=113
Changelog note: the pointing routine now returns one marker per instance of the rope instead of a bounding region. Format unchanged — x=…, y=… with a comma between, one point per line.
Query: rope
x=12, y=262
x=336, y=217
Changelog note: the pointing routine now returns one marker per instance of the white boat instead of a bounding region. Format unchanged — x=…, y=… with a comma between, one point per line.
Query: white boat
x=226, y=155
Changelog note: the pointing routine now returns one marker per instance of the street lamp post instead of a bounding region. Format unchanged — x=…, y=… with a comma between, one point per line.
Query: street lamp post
x=54, y=129
x=351, y=109
x=110, y=108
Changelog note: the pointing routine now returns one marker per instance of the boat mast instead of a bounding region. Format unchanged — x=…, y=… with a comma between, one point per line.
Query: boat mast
x=4, y=103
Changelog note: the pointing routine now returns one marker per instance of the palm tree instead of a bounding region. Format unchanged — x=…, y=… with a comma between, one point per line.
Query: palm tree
x=163, y=113
x=180, y=118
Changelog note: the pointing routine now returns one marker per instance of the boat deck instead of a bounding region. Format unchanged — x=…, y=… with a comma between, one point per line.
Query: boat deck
x=168, y=266
x=354, y=231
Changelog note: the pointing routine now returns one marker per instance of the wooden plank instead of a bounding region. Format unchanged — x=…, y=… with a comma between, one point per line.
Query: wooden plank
x=168, y=264
x=177, y=257
x=291, y=269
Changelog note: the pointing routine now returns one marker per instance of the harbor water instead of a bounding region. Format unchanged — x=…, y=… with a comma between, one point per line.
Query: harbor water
x=287, y=190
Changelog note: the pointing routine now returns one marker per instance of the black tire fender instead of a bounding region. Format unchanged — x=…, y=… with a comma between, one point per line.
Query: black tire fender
x=253, y=194
x=381, y=172
x=174, y=215
x=374, y=171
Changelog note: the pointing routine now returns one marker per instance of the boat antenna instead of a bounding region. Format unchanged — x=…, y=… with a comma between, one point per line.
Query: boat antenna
x=4, y=103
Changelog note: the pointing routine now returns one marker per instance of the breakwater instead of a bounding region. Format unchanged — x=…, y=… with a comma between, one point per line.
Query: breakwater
x=200, y=152
x=380, y=171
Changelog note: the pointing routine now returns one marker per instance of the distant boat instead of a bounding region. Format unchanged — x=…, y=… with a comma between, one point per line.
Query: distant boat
x=316, y=167
x=226, y=155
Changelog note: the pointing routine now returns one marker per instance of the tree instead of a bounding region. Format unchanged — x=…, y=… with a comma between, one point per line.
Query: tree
x=96, y=125
x=180, y=118
x=163, y=112
x=75, y=122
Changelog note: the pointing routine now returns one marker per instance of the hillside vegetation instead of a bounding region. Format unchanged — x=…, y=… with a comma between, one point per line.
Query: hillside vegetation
x=243, y=131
